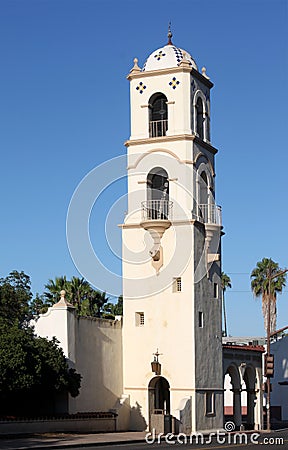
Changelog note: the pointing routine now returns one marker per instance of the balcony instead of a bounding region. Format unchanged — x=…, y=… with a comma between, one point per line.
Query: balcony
x=211, y=214
x=156, y=218
x=158, y=128
x=156, y=210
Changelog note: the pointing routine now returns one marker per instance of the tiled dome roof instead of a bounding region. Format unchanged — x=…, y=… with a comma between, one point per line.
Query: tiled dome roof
x=167, y=57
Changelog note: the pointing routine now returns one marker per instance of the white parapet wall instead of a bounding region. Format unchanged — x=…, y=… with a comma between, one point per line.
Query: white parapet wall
x=93, y=347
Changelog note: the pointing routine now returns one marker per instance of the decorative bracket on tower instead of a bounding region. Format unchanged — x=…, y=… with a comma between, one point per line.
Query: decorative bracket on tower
x=155, y=219
x=211, y=216
x=213, y=233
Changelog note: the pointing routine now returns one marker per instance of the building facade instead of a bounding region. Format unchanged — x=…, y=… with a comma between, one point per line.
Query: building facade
x=161, y=366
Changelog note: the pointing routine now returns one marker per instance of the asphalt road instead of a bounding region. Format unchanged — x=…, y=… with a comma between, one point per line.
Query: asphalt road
x=275, y=440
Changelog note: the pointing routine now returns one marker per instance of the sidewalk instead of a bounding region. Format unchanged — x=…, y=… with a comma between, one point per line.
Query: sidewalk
x=61, y=440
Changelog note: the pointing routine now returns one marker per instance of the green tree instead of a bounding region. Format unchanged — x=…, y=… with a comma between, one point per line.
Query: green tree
x=225, y=283
x=15, y=295
x=110, y=310
x=53, y=288
x=87, y=301
x=260, y=275
x=39, y=305
x=96, y=300
x=33, y=371
x=119, y=306
x=78, y=292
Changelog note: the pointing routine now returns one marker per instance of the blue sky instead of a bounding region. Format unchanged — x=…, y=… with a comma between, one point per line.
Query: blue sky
x=64, y=109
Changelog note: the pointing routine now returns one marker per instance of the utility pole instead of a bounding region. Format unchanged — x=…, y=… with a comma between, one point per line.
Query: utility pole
x=268, y=375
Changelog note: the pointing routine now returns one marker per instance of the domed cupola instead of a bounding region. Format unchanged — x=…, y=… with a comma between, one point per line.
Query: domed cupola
x=167, y=57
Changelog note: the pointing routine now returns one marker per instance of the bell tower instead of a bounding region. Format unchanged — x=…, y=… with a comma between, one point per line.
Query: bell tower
x=171, y=250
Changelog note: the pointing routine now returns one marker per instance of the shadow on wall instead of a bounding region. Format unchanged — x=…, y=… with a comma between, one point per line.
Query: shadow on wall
x=137, y=421
x=184, y=425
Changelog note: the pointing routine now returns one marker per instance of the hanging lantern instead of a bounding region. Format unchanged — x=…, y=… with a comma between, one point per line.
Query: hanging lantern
x=155, y=364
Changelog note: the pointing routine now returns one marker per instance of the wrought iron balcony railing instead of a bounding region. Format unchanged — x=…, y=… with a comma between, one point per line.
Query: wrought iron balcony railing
x=157, y=210
x=211, y=214
x=158, y=128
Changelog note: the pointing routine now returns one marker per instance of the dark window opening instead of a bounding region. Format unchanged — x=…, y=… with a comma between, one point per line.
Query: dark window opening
x=200, y=118
x=210, y=404
x=158, y=115
x=200, y=319
x=158, y=193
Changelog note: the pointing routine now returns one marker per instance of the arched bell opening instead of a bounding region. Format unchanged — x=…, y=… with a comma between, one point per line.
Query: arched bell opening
x=200, y=118
x=158, y=194
x=203, y=188
x=203, y=196
x=156, y=212
x=158, y=115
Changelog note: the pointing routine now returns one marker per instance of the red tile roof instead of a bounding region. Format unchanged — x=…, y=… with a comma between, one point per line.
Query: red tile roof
x=252, y=348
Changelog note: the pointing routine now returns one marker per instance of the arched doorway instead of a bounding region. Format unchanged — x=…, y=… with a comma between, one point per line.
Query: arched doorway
x=158, y=398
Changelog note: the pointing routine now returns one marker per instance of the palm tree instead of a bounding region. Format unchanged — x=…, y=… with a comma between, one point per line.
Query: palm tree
x=87, y=301
x=78, y=291
x=110, y=310
x=97, y=300
x=54, y=288
x=225, y=283
x=264, y=270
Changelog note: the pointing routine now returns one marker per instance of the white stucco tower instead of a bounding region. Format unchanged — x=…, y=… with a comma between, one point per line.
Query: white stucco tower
x=171, y=250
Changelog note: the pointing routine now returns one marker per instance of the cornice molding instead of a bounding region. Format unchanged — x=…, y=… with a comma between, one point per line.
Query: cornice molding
x=206, y=145
x=174, y=223
x=154, y=140
x=176, y=137
x=180, y=69
x=171, y=70
x=201, y=78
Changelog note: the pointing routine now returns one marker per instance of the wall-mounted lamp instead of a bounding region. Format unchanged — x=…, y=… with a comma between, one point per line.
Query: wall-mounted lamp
x=155, y=364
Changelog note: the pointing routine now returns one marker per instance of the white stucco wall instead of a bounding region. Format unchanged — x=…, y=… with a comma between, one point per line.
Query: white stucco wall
x=99, y=360
x=94, y=348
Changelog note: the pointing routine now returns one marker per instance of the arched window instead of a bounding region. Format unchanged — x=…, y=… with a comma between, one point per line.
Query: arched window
x=158, y=115
x=203, y=196
x=200, y=118
x=203, y=189
x=158, y=193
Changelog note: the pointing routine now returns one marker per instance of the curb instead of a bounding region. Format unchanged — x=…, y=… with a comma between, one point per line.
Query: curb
x=79, y=445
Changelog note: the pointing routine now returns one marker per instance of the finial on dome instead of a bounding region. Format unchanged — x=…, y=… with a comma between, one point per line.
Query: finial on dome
x=170, y=35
